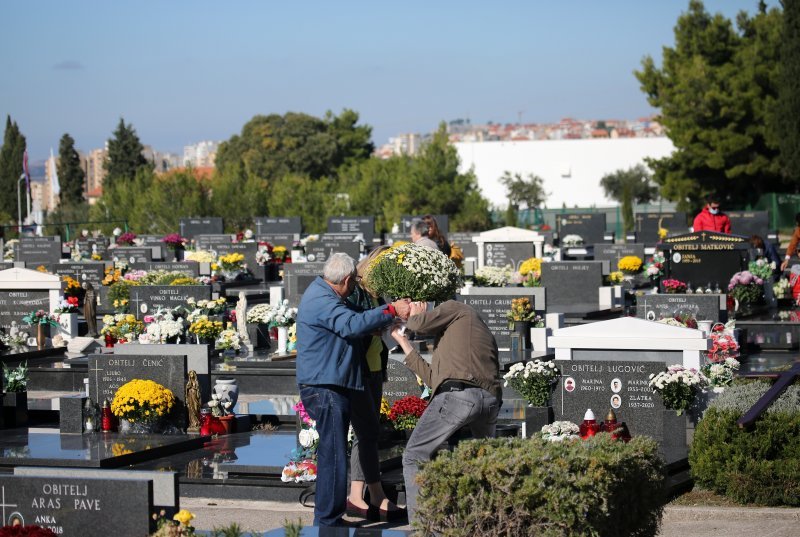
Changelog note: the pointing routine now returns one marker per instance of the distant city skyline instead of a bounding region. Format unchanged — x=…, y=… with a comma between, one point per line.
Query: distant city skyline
x=184, y=72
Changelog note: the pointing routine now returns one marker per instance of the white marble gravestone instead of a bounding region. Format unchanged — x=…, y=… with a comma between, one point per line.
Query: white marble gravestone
x=23, y=291
x=505, y=236
x=630, y=339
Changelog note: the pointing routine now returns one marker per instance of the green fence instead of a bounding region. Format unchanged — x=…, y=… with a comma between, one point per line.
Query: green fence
x=781, y=207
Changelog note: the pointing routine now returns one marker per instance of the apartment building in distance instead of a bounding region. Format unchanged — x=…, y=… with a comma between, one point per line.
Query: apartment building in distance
x=200, y=155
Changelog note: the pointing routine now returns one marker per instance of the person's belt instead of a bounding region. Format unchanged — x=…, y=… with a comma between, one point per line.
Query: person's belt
x=454, y=386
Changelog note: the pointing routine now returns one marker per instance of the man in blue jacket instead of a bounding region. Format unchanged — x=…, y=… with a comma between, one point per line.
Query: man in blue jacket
x=329, y=368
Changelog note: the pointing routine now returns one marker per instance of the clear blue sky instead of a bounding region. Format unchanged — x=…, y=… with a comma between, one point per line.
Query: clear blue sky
x=185, y=71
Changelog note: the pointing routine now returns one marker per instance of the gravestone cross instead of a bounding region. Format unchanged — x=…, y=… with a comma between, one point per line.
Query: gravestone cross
x=3, y=504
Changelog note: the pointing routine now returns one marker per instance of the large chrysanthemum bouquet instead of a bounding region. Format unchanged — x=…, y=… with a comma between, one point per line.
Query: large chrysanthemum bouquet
x=122, y=326
x=677, y=387
x=415, y=272
x=162, y=326
x=142, y=401
x=199, y=308
x=206, y=329
x=493, y=276
x=721, y=374
x=534, y=381
x=630, y=264
x=259, y=314
x=761, y=268
x=406, y=412
x=531, y=272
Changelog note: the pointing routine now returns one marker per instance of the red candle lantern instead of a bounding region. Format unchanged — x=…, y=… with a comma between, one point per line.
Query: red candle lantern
x=106, y=417
x=109, y=340
x=205, y=422
x=589, y=427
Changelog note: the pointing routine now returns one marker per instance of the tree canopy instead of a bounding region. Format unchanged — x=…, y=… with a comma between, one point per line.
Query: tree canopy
x=125, y=157
x=629, y=186
x=11, y=155
x=70, y=174
x=788, y=105
x=528, y=191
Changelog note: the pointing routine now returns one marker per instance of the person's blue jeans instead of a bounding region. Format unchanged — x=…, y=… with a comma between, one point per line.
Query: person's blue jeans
x=329, y=406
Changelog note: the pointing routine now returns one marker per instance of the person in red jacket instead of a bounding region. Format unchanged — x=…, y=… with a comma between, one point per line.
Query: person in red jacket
x=791, y=250
x=711, y=218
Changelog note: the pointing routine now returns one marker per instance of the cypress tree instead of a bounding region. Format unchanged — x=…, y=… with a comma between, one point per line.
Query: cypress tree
x=788, y=106
x=70, y=174
x=11, y=156
x=124, y=154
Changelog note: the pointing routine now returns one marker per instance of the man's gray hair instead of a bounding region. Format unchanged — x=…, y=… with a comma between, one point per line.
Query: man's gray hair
x=420, y=226
x=338, y=267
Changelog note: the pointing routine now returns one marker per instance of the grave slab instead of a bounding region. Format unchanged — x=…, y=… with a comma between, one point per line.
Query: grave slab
x=591, y=227
x=38, y=250
x=296, y=279
x=705, y=258
x=189, y=227
x=23, y=291
x=507, y=246
x=278, y=224
x=573, y=286
x=711, y=307
x=353, y=224
x=320, y=251
x=145, y=299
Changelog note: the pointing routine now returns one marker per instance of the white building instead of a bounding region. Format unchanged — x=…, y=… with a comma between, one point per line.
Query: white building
x=201, y=154
x=571, y=169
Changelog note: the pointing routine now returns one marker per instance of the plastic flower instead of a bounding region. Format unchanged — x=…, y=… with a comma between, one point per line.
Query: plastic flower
x=184, y=517
x=630, y=263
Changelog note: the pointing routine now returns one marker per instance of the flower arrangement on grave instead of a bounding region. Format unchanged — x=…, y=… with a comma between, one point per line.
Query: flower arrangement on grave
x=531, y=271
x=616, y=277
x=761, y=268
x=123, y=327
x=259, y=314
x=572, y=241
x=406, y=412
x=630, y=264
x=302, y=464
x=220, y=407
x=522, y=310
x=14, y=338
x=291, y=343
x=166, y=277
x=534, y=380
x=456, y=255
x=119, y=294
x=201, y=256
x=179, y=526
x=8, y=251
x=229, y=339
x=282, y=315
x=654, y=269
x=673, y=286
x=16, y=378
x=279, y=254
x=493, y=276
x=782, y=288
x=263, y=255
x=26, y=531
x=112, y=275
x=746, y=288
x=134, y=275
x=96, y=257
x=67, y=304
x=174, y=241
x=723, y=346
x=203, y=307
x=40, y=317
x=677, y=387
x=120, y=305
x=161, y=327
x=385, y=410
x=720, y=374
x=142, y=401
x=559, y=431
x=72, y=287
x=413, y=271
x=681, y=318
x=663, y=233
x=126, y=239
x=205, y=329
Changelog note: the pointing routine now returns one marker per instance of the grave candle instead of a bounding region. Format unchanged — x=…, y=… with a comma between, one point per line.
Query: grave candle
x=107, y=419
x=589, y=427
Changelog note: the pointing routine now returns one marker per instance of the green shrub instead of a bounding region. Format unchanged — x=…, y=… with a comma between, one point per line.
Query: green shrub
x=513, y=486
x=760, y=465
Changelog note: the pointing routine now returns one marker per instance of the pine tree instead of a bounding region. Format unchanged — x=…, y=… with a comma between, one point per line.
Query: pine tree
x=11, y=156
x=70, y=174
x=788, y=106
x=124, y=154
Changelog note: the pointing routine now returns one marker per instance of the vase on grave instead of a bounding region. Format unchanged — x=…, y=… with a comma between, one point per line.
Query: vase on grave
x=229, y=423
x=283, y=338
x=178, y=253
x=231, y=275
x=127, y=427
x=42, y=333
x=536, y=417
x=227, y=390
x=523, y=328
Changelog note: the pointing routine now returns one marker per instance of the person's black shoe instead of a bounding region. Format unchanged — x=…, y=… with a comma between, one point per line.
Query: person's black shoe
x=370, y=513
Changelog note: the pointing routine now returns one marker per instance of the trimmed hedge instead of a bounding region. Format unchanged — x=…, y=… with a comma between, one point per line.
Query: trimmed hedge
x=513, y=487
x=761, y=465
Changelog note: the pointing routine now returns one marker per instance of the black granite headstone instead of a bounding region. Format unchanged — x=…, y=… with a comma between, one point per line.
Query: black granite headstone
x=320, y=251
x=38, y=250
x=108, y=372
x=247, y=249
x=492, y=309
x=463, y=239
x=702, y=307
x=210, y=225
x=353, y=224
x=132, y=254
x=190, y=268
x=270, y=225
x=614, y=252
x=400, y=382
x=747, y=223
x=156, y=240
x=705, y=258
x=572, y=286
x=212, y=242
x=146, y=299
x=296, y=279
x=646, y=226
x=93, y=245
x=16, y=303
x=85, y=271
x=89, y=507
x=278, y=239
x=623, y=386
x=500, y=254
x=4, y=265
x=590, y=226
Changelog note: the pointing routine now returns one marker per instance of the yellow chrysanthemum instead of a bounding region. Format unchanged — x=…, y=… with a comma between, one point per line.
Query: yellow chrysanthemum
x=630, y=263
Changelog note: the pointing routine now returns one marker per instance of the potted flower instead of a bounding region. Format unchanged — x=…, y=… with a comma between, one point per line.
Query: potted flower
x=488, y=276
x=406, y=412
x=177, y=244
x=414, y=271
x=222, y=409
x=43, y=322
x=121, y=328
x=258, y=318
x=572, y=241
x=162, y=327
x=205, y=330
x=746, y=289
x=534, y=381
x=141, y=405
x=229, y=342
x=231, y=265
x=126, y=239
x=672, y=286
x=281, y=318
x=15, y=398
x=67, y=315
x=677, y=387
x=630, y=265
x=522, y=318
x=531, y=271
x=279, y=254
x=654, y=269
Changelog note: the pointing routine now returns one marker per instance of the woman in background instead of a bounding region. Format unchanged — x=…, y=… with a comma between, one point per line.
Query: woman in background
x=436, y=235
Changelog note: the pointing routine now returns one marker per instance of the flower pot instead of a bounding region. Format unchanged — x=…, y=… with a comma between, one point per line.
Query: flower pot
x=15, y=409
x=231, y=275
x=283, y=338
x=178, y=253
x=42, y=332
x=227, y=390
x=536, y=417
x=229, y=423
x=68, y=325
x=126, y=427
x=523, y=328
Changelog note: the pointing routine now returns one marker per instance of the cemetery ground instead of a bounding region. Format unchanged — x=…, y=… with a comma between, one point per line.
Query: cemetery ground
x=215, y=334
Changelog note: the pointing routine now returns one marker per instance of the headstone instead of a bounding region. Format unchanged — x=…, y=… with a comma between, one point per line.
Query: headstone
x=353, y=224
x=23, y=291
x=614, y=252
x=442, y=220
x=82, y=271
x=711, y=307
x=132, y=254
x=492, y=304
x=590, y=226
x=747, y=223
x=269, y=225
x=500, y=254
x=155, y=240
x=646, y=226
x=507, y=246
x=320, y=251
x=190, y=268
x=296, y=279
x=70, y=414
x=91, y=245
x=572, y=286
x=38, y=250
x=705, y=257
x=146, y=299
x=108, y=372
x=189, y=227
x=400, y=382
x=279, y=239
x=247, y=249
x=212, y=242
x=14, y=304
x=67, y=505
x=463, y=239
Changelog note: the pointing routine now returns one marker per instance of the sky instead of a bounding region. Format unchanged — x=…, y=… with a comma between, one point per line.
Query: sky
x=185, y=71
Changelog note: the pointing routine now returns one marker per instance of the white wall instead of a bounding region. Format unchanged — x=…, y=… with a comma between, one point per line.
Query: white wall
x=585, y=162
